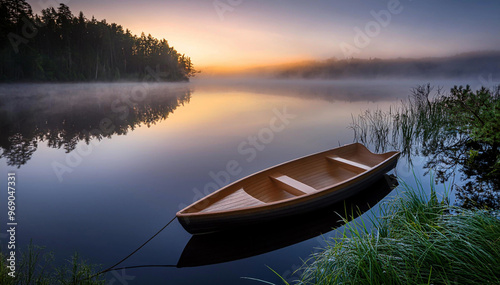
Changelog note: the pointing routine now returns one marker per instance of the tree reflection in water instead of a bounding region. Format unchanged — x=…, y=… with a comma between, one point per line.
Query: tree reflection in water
x=65, y=114
x=441, y=127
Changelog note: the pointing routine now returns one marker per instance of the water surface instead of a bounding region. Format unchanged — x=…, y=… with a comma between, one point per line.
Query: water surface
x=102, y=167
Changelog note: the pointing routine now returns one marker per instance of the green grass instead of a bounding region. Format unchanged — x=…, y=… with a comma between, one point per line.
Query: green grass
x=35, y=266
x=417, y=240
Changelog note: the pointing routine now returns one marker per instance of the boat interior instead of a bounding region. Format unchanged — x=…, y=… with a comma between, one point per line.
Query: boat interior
x=293, y=179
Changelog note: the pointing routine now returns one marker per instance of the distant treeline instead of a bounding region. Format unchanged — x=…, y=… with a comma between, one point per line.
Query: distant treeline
x=464, y=65
x=58, y=46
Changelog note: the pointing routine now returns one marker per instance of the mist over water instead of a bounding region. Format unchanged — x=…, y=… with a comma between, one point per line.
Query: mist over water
x=103, y=166
x=352, y=90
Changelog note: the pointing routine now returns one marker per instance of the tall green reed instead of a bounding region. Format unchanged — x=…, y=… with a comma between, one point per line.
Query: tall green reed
x=419, y=239
x=416, y=120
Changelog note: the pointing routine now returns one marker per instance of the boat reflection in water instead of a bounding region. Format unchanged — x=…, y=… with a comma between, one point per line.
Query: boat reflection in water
x=246, y=242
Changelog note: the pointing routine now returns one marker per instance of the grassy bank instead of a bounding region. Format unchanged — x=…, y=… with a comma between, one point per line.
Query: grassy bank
x=417, y=240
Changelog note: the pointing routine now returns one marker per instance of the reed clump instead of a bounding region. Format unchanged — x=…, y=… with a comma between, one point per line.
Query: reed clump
x=36, y=266
x=417, y=121
x=417, y=240
x=455, y=132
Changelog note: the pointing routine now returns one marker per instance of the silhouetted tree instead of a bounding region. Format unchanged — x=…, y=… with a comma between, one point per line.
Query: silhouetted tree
x=59, y=46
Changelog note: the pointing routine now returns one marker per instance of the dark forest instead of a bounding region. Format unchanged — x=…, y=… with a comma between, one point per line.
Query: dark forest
x=59, y=46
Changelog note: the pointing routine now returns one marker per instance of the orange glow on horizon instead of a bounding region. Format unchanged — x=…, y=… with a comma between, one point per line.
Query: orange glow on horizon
x=253, y=34
x=216, y=46
x=229, y=68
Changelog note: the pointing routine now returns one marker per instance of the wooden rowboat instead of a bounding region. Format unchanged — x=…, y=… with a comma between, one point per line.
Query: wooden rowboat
x=248, y=241
x=292, y=188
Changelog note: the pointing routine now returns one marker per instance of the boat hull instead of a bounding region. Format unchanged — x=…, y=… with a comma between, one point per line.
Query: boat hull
x=211, y=222
x=243, y=242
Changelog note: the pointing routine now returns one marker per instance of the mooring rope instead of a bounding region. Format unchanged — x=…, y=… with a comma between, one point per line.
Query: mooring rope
x=128, y=256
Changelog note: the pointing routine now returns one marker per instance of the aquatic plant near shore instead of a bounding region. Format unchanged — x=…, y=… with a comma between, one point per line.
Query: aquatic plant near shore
x=417, y=240
x=36, y=266
x=415, y=121
x=455, y=131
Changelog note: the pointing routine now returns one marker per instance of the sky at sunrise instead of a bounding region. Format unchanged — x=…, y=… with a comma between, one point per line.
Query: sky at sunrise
x=232, y=34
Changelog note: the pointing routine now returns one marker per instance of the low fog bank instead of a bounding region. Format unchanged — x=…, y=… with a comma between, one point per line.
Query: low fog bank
x=465, y=65
x=332, y=89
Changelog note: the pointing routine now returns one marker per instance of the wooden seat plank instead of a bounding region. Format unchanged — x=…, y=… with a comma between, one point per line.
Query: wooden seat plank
x=351, y=163
x=291, y=185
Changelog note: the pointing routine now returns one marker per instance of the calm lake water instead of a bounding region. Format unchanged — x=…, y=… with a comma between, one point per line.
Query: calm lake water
x=102, y=167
